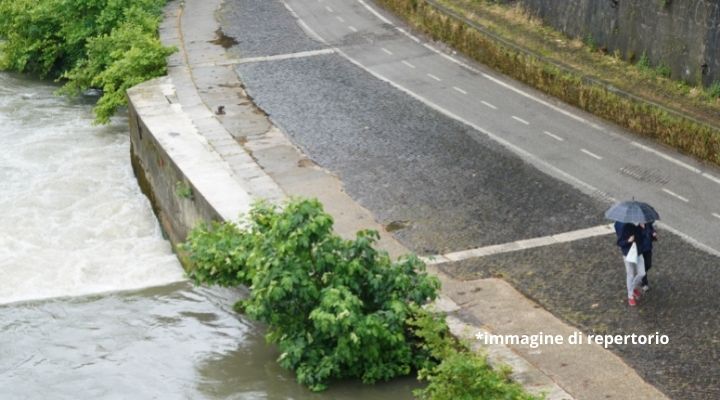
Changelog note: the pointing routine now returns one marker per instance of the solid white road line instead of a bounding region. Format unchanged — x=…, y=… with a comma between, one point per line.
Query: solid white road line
x=404, y=32
x=673, y=194
x=328, y=9
x=352, y=28
x=712, y=178
x=413, y=38
x=388, y=52
x=457, y=89
x=690, y=239
x=488, y=104
x=523, y=244
x=554, y=136
x=522, y=121
x=667, y=157
x=408, y=64
x=591, y=154
x=531, y=97
x=310, y=31
x=434, y=77
x=277, y=57
x=374, y=12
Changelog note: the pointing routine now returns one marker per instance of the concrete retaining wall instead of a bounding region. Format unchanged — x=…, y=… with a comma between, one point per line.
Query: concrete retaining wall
x=681, y=34
x=170, y=156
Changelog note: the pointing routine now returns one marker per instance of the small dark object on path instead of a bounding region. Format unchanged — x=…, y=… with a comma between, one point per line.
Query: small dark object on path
x=220, y=110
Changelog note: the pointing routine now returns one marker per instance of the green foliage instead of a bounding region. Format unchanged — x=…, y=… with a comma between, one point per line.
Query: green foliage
x=183, y=190
x=467, y=376
x=714, y=89
x=453, y=371
x=218, y=253
x=644, y=62
x=105, y=44
x=590, y=42
x=663, y=70
x=336, y=308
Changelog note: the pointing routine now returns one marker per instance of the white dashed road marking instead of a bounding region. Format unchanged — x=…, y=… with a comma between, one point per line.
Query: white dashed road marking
x=488, y=105
x=459, y=90
x=716, y=215
x=388, y=52
x=677, y=196
x=531, y=97
x=434, y=77
x=328, y=8
x=554, y=136
x=341, y=19
x=352, y=28
x=591, y=154
x=408, y=64
x=522, y=121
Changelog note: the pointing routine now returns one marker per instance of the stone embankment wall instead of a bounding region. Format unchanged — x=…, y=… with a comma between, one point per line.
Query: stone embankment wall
x=681, y=34
x=185, y=179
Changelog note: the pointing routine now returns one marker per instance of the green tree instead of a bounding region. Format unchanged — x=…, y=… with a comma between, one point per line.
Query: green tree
x=336, y=308
x=104, y=44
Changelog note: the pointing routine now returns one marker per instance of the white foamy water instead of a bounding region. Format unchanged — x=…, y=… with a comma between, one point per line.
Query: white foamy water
x=72, y=218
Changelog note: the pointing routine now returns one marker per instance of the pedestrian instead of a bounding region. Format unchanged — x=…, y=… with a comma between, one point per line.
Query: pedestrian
x=627, y=235
x=645, y=246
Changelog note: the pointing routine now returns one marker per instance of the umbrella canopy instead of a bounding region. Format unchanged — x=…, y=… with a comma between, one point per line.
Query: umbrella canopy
x=633, y=212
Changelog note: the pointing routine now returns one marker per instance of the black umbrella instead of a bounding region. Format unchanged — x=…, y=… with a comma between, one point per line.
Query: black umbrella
x=632, y=211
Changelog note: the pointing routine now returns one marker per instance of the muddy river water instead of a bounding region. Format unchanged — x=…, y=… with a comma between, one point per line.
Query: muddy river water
x=93, y=304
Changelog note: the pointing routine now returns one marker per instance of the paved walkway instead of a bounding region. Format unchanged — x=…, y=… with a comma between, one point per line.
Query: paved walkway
x=267, y=165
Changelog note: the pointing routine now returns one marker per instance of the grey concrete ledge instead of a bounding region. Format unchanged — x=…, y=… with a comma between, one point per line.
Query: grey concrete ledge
x=155, y=122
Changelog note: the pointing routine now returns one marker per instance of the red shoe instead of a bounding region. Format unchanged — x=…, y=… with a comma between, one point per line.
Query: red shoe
x=632, y=302
x=636, y=294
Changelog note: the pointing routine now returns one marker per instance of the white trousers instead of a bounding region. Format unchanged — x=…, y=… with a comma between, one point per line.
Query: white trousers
x=635, y=273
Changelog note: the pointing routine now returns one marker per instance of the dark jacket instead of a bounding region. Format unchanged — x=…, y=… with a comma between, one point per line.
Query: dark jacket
x=643, y=236
x=623, y=232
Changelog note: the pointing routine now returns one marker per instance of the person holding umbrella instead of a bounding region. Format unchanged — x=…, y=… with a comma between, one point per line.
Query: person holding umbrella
x=629, y=216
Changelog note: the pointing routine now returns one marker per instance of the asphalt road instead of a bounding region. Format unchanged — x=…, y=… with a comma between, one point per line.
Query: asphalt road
x=581, y=282
x=467, y=158
x=594, y=156
x=452, y=187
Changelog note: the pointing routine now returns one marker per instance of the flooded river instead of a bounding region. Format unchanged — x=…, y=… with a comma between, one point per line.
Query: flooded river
x=92, y=301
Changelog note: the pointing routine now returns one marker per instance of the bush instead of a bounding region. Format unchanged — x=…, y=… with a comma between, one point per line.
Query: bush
x=714, y=89
x=467, y=376
x=105, y=44
x=644, y=62
x=336, y=308
x=664, y=71
x=453, y=371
